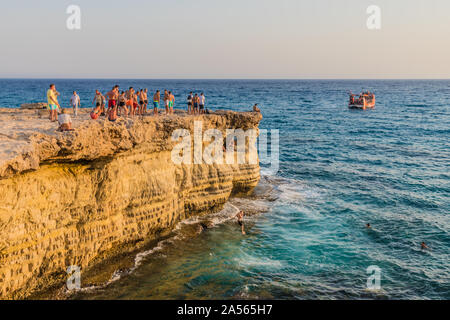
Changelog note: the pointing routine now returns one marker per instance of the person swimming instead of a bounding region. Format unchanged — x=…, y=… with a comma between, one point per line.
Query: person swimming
x=368, y=226
x=424, y=246
x=240, y=220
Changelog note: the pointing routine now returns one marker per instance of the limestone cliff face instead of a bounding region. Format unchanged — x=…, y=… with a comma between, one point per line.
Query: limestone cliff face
x=103, y=189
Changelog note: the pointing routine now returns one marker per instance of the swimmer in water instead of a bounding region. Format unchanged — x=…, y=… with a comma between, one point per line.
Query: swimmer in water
x=368, y=226
x=240, y=218
x=424, y=246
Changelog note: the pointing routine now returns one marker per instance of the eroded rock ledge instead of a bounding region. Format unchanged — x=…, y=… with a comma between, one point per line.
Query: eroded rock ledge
x=77, y=198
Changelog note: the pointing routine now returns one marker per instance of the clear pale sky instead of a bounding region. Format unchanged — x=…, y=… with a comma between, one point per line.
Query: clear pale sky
x=225, y=39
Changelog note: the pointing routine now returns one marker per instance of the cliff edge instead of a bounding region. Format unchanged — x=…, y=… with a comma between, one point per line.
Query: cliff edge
x=81, y=197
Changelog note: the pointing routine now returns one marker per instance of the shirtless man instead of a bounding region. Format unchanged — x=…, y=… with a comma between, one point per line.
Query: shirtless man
x=112, y=114
x=156, y=100
x=142, y=102
x=145, y=97
x=166, y=101
x=171, y=102
x=112, y=96
x=240, y=220
x=135, y=102
x=196, y=101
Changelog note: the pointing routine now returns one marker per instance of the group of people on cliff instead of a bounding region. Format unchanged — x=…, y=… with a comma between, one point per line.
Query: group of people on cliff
x=135, y=102
x=127, y=103
x=117, y=103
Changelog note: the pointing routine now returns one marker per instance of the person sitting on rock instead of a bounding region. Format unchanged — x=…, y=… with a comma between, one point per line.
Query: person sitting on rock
x=255, y=108
x=65, y=121
x=95, y=112
x=112, y=114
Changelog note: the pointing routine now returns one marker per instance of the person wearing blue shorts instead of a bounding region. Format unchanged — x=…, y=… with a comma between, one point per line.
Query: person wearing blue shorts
x=52, y=103
x=156, y=100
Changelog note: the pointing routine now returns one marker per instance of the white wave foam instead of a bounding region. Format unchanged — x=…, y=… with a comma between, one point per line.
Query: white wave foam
x=293, y=189
x=248, y=260
x=298, y=191
x=228, y=212
x=266, y=172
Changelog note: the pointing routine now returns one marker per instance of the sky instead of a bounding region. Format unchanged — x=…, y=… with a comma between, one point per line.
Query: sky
x=225, y=39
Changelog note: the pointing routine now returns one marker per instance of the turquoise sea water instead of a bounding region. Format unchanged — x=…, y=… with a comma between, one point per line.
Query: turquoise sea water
x=339, y=169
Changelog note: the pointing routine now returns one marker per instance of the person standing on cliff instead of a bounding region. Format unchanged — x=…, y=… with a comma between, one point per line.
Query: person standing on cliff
x=171, y=102
x=166, y=101
x=202, y=102
x=98, y=101
x=75, y=103
x=112, y=96
x=145, y=97
x=129, y=97
x=190, y=98
x=156, y=100
x=240, y=220
x=122, y=104
x=52, y=103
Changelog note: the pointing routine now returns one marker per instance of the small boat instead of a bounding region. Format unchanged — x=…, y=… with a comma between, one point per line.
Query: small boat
x=362, y=101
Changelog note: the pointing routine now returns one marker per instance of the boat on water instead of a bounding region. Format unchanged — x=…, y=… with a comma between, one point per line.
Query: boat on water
x=364, y=100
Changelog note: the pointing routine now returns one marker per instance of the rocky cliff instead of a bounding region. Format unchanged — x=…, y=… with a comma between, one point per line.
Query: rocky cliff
x=82, y=197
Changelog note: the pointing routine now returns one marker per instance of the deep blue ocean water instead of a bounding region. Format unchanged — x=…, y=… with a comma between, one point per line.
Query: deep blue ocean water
x=339, y=169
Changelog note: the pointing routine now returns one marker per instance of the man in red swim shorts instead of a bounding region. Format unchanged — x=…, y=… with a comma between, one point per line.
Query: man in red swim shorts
x=112, y=96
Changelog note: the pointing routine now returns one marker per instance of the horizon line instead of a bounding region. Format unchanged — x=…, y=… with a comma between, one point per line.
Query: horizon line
x=190, y=79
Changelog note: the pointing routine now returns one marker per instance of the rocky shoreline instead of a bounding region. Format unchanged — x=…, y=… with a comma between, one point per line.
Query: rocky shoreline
x=102, y=191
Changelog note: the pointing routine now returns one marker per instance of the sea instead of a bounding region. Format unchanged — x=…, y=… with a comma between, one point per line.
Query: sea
x=338, y=169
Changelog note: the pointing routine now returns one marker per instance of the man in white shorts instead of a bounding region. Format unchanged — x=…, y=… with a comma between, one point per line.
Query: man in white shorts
x=75, y=103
